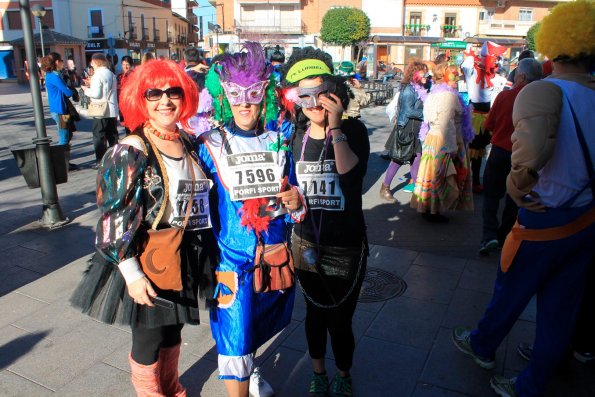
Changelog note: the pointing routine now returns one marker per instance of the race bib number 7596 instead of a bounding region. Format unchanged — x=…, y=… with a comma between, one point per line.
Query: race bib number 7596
x=252, y=175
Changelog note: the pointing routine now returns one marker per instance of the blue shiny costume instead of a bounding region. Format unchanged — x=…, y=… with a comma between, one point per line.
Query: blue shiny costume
x=244, y=320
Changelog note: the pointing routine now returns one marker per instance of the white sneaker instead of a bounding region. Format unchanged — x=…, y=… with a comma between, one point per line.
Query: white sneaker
x=258, y=386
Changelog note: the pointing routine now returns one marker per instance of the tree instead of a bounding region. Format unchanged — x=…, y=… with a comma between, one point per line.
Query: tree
x=345, y=26
x=531, y=34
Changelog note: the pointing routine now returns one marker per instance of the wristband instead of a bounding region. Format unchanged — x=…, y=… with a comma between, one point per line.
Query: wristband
x=340, y=138
x=334, y=128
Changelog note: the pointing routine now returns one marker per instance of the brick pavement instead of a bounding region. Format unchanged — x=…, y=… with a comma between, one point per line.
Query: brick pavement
x=403, y=346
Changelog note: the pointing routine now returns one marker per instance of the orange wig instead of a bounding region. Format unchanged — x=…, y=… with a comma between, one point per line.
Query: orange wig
x=156, y=74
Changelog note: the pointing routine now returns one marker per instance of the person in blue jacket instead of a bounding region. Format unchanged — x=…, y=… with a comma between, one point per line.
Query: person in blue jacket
x=58, y=93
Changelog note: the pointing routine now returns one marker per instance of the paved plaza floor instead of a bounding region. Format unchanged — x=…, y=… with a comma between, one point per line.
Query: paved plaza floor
x=403, y=344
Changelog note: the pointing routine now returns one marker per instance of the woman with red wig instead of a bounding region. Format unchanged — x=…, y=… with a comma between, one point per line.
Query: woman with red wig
x=151, y=180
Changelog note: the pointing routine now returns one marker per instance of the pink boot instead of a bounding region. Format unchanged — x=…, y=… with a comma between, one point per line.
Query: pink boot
x=168, y=361
x=145, y=379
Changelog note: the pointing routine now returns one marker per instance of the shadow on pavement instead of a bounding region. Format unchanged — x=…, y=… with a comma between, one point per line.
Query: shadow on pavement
x=11, y=351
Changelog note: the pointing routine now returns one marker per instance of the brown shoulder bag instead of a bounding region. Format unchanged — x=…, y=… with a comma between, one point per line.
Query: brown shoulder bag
x=160, y=255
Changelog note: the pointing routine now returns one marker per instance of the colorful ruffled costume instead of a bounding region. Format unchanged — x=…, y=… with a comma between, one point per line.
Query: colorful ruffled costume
x=444, y=178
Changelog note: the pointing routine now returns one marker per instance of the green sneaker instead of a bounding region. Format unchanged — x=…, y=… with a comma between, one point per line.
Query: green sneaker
x=461, y=339
x=318, y=385
x=409, y=188
x=341, y=386
x=504, y=387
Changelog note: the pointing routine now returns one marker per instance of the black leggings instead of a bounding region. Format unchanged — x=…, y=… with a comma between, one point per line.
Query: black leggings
x=146, y=342
x=336, y=321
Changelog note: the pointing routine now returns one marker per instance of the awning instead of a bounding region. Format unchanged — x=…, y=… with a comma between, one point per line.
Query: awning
x=508, y=42
x=407, y=39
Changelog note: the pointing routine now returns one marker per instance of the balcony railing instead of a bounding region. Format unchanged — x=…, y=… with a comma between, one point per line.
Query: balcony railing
x=182, y=39
x=416, y=29
x=279, y=27
x=504, y=27
x=94, y=32
x=450, y=31
x=145, y=34
x=156, y=36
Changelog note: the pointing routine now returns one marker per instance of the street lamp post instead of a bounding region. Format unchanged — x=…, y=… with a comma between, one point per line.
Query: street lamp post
x=39, y=11
x=52, y=213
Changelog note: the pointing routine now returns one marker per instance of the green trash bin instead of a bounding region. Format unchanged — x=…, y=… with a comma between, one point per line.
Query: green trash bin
x=26, y=158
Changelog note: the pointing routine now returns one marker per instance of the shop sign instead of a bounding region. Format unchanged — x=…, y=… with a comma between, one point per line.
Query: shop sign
x=452, y=45
x=96, y=45
x=134, y=44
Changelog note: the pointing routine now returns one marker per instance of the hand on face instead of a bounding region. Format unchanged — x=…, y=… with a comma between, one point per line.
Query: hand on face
x=325, y=106
x=334, y=108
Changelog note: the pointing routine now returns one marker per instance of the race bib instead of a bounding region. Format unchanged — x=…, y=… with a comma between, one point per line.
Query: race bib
x=252, y=175
x=320, y=183
x=199, y=217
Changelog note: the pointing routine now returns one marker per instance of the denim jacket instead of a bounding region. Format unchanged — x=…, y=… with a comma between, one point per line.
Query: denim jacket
x=410, y=106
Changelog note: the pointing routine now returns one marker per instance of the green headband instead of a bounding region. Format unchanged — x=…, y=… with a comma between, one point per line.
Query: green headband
x=307, y=68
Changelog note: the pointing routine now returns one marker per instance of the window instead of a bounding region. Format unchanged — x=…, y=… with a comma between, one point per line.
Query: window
x=248, y=13
x=450, y=19
x=414, y=26
x=144, y=31
x=14, y=20
x=287, y=15
x=415, y=18
x=525, y=14
x=95, y=23
x=486, y=15
x=48, y=19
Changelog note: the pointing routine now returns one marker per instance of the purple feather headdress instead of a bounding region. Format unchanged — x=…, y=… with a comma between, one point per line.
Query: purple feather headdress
x=246, y=67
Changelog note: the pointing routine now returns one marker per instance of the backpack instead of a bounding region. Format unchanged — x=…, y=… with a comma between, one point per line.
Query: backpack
x=391, y=109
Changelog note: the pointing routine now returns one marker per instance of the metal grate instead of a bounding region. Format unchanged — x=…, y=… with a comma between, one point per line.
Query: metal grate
x=380, y=285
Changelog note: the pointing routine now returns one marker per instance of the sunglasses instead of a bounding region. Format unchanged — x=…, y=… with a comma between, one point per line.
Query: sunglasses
x=155, y=94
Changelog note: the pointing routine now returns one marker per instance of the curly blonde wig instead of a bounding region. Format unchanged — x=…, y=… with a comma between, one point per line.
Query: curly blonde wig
x=568, y=31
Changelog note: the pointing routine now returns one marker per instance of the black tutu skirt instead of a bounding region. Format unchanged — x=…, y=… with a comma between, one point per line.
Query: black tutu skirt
x=102, y=292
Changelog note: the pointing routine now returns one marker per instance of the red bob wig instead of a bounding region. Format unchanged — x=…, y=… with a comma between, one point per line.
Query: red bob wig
x=156, y=74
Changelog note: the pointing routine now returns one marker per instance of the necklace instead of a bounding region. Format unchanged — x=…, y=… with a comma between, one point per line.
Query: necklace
x=166, y=136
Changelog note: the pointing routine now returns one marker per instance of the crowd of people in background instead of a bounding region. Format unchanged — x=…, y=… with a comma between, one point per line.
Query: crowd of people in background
x=260, y=163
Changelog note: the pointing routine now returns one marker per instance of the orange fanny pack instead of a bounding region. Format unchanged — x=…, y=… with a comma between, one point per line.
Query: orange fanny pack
x=518, y=234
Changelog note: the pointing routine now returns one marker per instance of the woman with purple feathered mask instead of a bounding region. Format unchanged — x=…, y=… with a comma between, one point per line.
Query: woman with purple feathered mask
x=444, y=180
x=256, y=202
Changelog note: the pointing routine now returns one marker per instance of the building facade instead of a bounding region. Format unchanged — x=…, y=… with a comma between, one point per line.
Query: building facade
x=113, y=27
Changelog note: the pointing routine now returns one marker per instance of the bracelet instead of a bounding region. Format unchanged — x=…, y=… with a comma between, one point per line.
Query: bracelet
x=334, y=128
x=340, y=138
